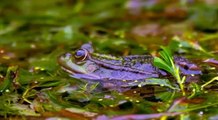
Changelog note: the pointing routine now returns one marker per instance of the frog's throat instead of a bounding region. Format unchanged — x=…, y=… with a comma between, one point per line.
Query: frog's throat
x=80, y=75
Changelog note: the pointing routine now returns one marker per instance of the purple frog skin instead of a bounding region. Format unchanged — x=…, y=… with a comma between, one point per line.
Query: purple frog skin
x=112, y=71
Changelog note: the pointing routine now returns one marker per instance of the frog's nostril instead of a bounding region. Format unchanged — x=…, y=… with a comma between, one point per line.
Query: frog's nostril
x=67, y=55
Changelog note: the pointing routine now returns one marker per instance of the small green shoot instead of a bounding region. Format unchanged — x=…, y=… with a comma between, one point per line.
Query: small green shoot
x=88, y=88
x=165, y=62
x=207, y=83
x=196, y=90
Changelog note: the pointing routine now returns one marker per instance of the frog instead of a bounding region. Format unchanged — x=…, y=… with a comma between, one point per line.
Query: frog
x=117, y=71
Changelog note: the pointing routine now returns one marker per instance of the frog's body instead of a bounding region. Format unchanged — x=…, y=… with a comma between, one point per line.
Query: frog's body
x=116, y=71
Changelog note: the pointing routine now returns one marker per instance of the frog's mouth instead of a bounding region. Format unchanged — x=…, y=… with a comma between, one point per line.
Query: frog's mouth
x=69, y=66
x=75, y=70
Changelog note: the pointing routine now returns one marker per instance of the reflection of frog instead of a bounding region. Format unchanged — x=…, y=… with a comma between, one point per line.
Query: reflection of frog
x=116, y=71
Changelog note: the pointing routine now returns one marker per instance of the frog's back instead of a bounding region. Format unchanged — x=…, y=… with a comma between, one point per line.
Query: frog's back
x=140, y=62
x=132, y=63
x=133, y=67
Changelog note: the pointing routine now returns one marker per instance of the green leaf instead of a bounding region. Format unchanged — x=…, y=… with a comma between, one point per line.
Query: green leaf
x=159, y=81
x=56, y=99
x=166, y=55
x=162, y=64
x=51, y=83
x=153, y=81
x=8, y=78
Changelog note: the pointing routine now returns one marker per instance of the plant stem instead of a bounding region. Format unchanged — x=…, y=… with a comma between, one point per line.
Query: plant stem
x=179, y=80
x=182, y=89
x=207, y=83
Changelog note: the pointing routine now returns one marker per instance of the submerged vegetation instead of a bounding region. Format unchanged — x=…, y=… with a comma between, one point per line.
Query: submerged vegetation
x=33, y=34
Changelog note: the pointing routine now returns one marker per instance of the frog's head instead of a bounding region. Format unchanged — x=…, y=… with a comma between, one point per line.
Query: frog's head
x=77, y=63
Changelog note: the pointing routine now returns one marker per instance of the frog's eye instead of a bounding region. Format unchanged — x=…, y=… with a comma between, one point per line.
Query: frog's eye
x=81, y=54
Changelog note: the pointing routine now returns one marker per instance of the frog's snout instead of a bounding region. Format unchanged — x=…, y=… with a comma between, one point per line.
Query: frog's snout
x=66, y=56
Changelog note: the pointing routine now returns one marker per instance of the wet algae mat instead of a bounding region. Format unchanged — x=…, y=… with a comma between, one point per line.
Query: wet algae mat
x=34, y=33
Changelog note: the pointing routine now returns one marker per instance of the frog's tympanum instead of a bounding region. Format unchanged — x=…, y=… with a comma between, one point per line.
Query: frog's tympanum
x=112, y=71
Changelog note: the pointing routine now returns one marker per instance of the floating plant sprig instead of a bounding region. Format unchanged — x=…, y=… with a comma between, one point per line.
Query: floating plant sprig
x=166, y=62
x=207, y=83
